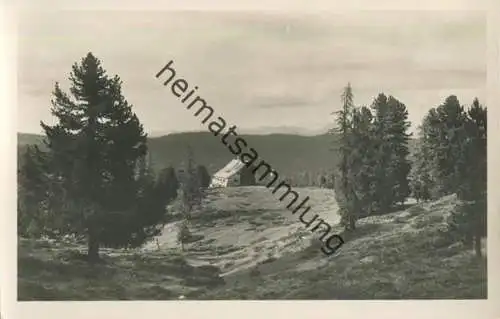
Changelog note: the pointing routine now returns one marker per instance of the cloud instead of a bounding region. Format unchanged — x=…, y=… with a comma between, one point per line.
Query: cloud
x=252, y=66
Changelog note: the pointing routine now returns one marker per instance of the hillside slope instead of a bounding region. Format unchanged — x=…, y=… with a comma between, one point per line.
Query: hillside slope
x=248, y=246
x=287, y=153
x=401, y=255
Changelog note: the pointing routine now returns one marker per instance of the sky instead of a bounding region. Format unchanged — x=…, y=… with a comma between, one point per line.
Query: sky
x=264, y=72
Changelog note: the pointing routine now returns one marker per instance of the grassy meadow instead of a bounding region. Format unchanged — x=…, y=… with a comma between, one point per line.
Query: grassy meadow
x=248, y=246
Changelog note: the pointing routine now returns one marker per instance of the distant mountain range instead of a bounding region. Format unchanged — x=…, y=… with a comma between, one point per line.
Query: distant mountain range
x=266, y=130
x=287, y=153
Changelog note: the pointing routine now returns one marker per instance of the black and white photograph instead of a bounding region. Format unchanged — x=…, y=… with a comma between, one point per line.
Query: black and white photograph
x=251, y=155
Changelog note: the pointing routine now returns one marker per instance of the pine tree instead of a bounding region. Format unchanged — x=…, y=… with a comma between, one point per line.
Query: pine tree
x=322, y=181
x=427, y=158
x=382, y=169
x=390, y=140
x=191, y=188
x=191, y=196
x=442, y=135
x=149, y=214
x=362, y=160
x=203, y=176
x=452, y=159
x=94, y=150
x=168, y=183
x=32, y=192
x=344, y=192
x=471, y=176
x=397, y=138
x=247, y=177
x=451, y=119
x=420, y=175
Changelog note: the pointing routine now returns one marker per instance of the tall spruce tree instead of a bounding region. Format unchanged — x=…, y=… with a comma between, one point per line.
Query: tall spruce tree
x=191, y=187
x=427, y=159
x=442, y=134
x=446, y=145
x=452, y=159
x=344, y=192
x=471, y=178
x=390, y=140
x=94, y=150
x=382, y=170
x=167, y=183
x=398, y=137
x=191, y=197
x=203, y=176
x=420, y=173
x=32, y=192
x=247, y=177
x=362, y=160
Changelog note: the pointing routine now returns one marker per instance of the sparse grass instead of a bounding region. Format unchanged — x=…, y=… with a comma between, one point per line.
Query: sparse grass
x=405, y=254
x=381, y=260
x=56, y=275
x=223, y=250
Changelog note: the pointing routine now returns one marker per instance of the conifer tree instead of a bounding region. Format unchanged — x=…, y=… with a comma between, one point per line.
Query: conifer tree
x=382, y=169
x=191, y=197
x=322, y=181
x=442, y=135
x=398, y=137
x=420, y=175
x=446, y=144
x=203, y=176
x=97, y=190
x=167, y=183
x=344, y=192
x=390, y=141
x=452, y=159
x=247, y=177
x=32, y=191
x=148, y=214
x=471, y=176
x=191, y=188
x=427, y=159
x=362, y=160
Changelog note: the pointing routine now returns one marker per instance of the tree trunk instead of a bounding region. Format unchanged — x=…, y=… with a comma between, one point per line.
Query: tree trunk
x=93, y=248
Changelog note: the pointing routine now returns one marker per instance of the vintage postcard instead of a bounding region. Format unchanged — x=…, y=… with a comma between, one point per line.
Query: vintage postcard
x=224, y=154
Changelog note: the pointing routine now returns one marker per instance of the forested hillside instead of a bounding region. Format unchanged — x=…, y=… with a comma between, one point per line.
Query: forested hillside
x=291, y=155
